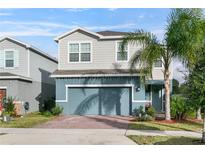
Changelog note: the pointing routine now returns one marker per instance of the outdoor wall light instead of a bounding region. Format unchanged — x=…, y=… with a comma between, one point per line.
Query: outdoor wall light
x=137, y=89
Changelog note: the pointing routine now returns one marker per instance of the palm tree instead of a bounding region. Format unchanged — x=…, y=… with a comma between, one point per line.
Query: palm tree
x=183, y=39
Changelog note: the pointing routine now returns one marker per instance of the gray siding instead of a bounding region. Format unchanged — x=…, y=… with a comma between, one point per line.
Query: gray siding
x=34, y=66
x=41, y=68
x=103, y=54
x=22, y=69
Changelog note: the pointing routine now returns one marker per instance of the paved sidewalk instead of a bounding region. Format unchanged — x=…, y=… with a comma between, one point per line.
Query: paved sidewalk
x=31, y=136
x=163, y=133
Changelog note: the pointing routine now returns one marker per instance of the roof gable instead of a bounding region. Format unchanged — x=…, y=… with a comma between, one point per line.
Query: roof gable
x=97, y=34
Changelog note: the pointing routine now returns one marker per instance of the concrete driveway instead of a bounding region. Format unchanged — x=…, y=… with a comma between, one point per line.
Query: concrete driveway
x=71, y=130
x=88, y=122
x=36, y=136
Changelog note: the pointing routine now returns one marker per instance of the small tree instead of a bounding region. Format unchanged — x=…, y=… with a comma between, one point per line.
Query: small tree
x=196, y=86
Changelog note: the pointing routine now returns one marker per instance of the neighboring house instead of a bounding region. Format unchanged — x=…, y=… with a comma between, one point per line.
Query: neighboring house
x=94, y=78
x=24, y=73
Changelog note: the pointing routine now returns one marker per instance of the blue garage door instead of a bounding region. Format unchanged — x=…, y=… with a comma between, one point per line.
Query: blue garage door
x=99, y=101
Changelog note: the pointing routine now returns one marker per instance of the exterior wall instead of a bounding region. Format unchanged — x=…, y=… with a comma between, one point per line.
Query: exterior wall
x=32, y=92
x=41, y=68
x=22, y=68
x=34, y=66
x=103, y=54
x=138, y=96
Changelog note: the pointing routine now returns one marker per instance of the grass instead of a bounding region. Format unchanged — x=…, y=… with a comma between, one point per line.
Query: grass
x=27, y=121
x=165, y=140
x=157, y=125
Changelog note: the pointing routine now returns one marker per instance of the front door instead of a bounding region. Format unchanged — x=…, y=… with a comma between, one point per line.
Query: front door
x=2, y=97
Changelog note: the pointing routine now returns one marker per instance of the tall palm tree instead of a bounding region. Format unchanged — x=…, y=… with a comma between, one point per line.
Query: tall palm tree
x=183, y=39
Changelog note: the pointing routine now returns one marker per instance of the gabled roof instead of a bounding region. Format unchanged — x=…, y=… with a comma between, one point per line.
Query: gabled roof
x=100, y=35
x=111, y=33
x=28, y=46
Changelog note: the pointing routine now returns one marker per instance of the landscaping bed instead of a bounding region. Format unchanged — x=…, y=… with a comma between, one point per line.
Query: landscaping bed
x=162, y=125
x=27, y=121
x=165, y=140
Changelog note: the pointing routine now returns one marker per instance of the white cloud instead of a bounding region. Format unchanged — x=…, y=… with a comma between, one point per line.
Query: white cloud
x=5, y=14
x=41, y=28
x=179, y=70
x=76, y=9
x=35, y=23
x=159, y=33
x=141, y=16
x=112, y=9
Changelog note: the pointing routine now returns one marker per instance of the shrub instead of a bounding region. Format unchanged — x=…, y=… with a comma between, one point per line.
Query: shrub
x=138, y=112
x=9, y=107
x=146, y=117
x=57, y=110
x=151, y=111
x=48, y=104
x=179, y=107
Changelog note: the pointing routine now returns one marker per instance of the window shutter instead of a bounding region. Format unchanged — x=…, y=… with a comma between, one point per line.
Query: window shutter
x=1, y=58
x=16, y=58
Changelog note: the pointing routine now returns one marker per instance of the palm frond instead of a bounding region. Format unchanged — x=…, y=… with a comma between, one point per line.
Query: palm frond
x=151, y=51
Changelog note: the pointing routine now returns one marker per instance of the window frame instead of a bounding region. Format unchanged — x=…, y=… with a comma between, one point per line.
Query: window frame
x=116, y=51
x=6, y=50
x=79, y=43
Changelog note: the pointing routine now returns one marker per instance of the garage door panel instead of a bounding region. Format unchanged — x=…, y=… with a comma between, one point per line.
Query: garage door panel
x=83, y=101
x=99, y=101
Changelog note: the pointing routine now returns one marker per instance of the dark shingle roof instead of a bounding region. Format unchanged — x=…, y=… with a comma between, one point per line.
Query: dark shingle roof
x=92, y=72
x=111, y=33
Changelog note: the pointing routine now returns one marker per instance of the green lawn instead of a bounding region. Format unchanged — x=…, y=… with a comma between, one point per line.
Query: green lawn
x=27, y=121
x=165, y=140
x=154, y=125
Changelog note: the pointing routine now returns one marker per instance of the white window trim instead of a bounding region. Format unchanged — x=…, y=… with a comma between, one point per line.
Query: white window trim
x=79, y=42
x=5, y=50
x=116, y=51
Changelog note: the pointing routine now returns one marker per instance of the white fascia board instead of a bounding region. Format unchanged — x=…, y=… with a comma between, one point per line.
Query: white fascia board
x=93, y=75
x=76, y=29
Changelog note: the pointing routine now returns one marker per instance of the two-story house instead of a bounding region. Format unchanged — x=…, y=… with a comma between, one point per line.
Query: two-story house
x=93, y=76
x=24, y=73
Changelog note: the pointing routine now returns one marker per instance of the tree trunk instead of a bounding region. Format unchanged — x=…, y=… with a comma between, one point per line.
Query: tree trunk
x=198, y=114
x=167, y=96
x=203, y=131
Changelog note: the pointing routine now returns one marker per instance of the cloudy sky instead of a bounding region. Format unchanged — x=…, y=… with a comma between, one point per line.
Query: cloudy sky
x=40, y=26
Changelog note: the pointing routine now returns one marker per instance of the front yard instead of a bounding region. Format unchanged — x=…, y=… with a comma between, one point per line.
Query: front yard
x=165, y=140
x=28, y=121
x=160, y=125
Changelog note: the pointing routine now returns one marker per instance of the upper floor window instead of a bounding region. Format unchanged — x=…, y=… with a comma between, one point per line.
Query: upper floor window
x=9, y=59
x=80, y=52
x=158, y=63
x=121, y=56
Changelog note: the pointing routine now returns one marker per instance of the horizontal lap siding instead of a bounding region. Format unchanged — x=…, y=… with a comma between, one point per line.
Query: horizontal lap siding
x=22, y=68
